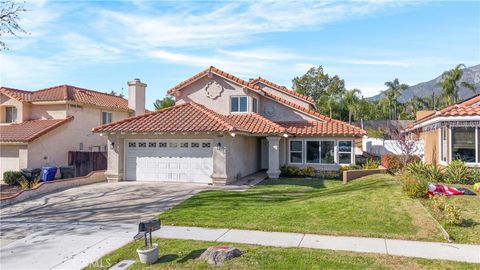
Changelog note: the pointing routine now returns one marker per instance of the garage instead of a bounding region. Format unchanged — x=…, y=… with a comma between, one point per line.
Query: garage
x=169, y=160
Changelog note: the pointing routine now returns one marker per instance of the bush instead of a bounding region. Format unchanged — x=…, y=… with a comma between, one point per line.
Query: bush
x=291, y=171
x=309, y=172
x=12, y=177
x=452, y=215
x=438, y=202
x=414, y=186
x=370, y=164
x=458, y=173
x=391, y=163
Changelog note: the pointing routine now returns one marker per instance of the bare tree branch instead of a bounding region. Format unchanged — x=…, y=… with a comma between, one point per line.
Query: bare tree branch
x=9, y=21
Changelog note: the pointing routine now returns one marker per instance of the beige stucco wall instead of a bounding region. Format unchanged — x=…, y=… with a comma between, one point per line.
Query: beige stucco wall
x=12, y=158
x=432, y=149
x=243, y=156
x=281, y=94
x=50, y=111
x=6, y=101
x=281, y=112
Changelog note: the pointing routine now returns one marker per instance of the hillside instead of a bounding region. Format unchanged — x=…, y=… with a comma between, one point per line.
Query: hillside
x=470, y=75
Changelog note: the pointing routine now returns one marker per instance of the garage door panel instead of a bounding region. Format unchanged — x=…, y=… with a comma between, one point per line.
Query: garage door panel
x=169, y=161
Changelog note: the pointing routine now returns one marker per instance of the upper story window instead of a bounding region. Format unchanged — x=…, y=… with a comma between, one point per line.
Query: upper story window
x=254, y=105
x=10, y=114
x=239, y=104
x=106, y=117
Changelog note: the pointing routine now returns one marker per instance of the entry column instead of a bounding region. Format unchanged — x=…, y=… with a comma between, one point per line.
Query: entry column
x=273, y=157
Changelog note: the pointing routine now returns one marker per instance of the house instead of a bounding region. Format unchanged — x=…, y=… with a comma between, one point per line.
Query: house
x=223, y=128
x=39, y=127
x=451, y=133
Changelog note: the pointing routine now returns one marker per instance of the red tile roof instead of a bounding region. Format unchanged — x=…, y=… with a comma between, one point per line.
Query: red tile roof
x=283, y=89
x=212, y=70
x=70, y=93
x=312, y=128
x=193, y=117
x=469, y=107
x=29, y=130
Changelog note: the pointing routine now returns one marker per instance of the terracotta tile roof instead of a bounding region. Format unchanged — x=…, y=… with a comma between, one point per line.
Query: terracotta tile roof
x=188, y=117
x=321, y=128
x=283, y=89
x=29, y=130
x=68, y=92
x=213, y=70
x=469, y=107
x=254, y=123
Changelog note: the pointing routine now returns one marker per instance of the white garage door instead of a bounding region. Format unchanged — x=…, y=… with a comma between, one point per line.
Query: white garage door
x=169, y=160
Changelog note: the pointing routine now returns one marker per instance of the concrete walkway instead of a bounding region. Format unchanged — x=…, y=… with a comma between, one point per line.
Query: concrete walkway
x=417, y=249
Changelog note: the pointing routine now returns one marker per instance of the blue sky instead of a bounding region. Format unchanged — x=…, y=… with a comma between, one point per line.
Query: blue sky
x=102, y=44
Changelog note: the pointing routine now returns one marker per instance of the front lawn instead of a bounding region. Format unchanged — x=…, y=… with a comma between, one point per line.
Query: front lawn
x=373, y=206
x=468, y=232
x=182, y=254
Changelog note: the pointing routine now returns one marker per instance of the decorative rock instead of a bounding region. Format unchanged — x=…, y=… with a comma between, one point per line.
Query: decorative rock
x=218, y=255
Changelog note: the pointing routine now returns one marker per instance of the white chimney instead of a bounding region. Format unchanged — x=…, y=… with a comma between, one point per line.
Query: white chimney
x=136, y=96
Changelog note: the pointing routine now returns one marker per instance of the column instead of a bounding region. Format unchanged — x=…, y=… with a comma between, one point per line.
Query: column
x=273, y=157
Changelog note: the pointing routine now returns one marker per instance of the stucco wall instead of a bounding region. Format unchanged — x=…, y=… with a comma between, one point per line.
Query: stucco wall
x=432, y=149
x=6, y=101
x=243, y=156
x=51, y=111
x=12, y=158
x=281, y=112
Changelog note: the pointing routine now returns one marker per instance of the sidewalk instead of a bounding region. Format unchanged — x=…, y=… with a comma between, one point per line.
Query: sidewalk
x=417, y=249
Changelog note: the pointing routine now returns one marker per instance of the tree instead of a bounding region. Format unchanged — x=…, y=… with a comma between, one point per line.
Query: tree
x=113, y=93
x=394, y=91
x=326, y=90
x=9, y=17
x=164, y=103
x=351, y=100
x=450, y=84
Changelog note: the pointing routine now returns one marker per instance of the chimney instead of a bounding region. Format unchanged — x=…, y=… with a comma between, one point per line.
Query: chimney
x=136, y=96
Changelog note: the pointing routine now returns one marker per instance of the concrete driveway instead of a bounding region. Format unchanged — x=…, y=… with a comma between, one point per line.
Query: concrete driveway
x=65, y=230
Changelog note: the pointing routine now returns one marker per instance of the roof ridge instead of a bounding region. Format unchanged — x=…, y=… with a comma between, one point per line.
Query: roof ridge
x=73, y=87
x=284, y=89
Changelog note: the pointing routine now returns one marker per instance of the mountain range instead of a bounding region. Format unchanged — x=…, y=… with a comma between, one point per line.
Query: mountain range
x=470, y=75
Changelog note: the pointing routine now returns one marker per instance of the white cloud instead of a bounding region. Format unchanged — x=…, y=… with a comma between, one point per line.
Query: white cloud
x=30, y=71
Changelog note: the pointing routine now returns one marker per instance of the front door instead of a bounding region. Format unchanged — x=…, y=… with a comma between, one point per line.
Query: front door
x=264, y=154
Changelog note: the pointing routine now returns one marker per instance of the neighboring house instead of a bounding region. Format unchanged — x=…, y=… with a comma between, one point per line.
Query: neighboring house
x=39, y=127
x=223, y=128
x=451, y=133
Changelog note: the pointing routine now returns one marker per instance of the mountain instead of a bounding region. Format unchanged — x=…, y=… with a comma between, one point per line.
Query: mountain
x=470, y=75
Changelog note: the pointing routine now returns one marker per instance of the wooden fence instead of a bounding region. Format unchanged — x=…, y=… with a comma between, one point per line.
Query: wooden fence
x=86, y=162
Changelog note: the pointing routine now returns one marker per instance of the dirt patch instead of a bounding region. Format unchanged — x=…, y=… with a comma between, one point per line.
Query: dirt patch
x=7, y=190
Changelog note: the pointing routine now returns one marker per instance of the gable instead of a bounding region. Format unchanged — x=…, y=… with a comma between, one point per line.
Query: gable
x=276, y=111
x=283, y=95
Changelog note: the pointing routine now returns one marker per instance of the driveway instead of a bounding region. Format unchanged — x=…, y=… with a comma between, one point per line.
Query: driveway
x=65, y=230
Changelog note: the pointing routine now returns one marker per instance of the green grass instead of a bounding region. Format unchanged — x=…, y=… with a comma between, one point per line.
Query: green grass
x=468, y=232
x=373, y=206
x=183, y=254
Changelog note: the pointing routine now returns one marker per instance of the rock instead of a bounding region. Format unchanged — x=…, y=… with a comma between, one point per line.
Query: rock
x=219, y=254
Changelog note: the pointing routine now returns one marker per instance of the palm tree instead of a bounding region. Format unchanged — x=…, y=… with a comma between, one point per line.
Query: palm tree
x=432, y=102
x=163, y=103
x=450, y=84
x=395, y=89
x=351, y=99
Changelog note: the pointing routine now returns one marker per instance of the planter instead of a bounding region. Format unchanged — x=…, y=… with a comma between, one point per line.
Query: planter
x=148, y=256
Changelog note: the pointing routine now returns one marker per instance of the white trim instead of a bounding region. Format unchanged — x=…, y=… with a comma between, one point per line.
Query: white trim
x=446, y=119
x=301, y=151
x=352, y=152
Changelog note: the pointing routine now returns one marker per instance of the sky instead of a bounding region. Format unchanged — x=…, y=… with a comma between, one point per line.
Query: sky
x=101, y=45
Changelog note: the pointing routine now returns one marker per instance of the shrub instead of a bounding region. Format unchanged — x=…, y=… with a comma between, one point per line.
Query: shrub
x=414, y=186
x=370, y=164
x=438, y=202
x=431, y=173
x=391, y=163
x=12, y=177
x=452, y=215
x=309, y=172
x=291, y=171
x=458, y=173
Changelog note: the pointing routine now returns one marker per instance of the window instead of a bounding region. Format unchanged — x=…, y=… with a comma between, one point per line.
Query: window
x=464, y=144
x=206, y=145
x=296, y=152
x=132, y=144
x=327, y=154
x=106, y=117
x=172, y=144
x=152, y=144
x=345, y=152
x=162, y=144
x=81, y=146
x=184, y=144
x=239, y=104
x=254, y=105
x=195, y=145
x=142, y=144
x=443, y=144
x=313, y=152
x=10, y=114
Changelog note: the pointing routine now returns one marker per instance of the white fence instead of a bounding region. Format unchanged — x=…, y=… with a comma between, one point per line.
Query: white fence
x=381, y=147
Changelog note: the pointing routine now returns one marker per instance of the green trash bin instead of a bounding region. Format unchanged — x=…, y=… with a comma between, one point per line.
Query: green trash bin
x=68, y=172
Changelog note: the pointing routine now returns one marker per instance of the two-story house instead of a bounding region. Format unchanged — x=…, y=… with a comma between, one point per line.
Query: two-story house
x=223, y=128
x=39, y=127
